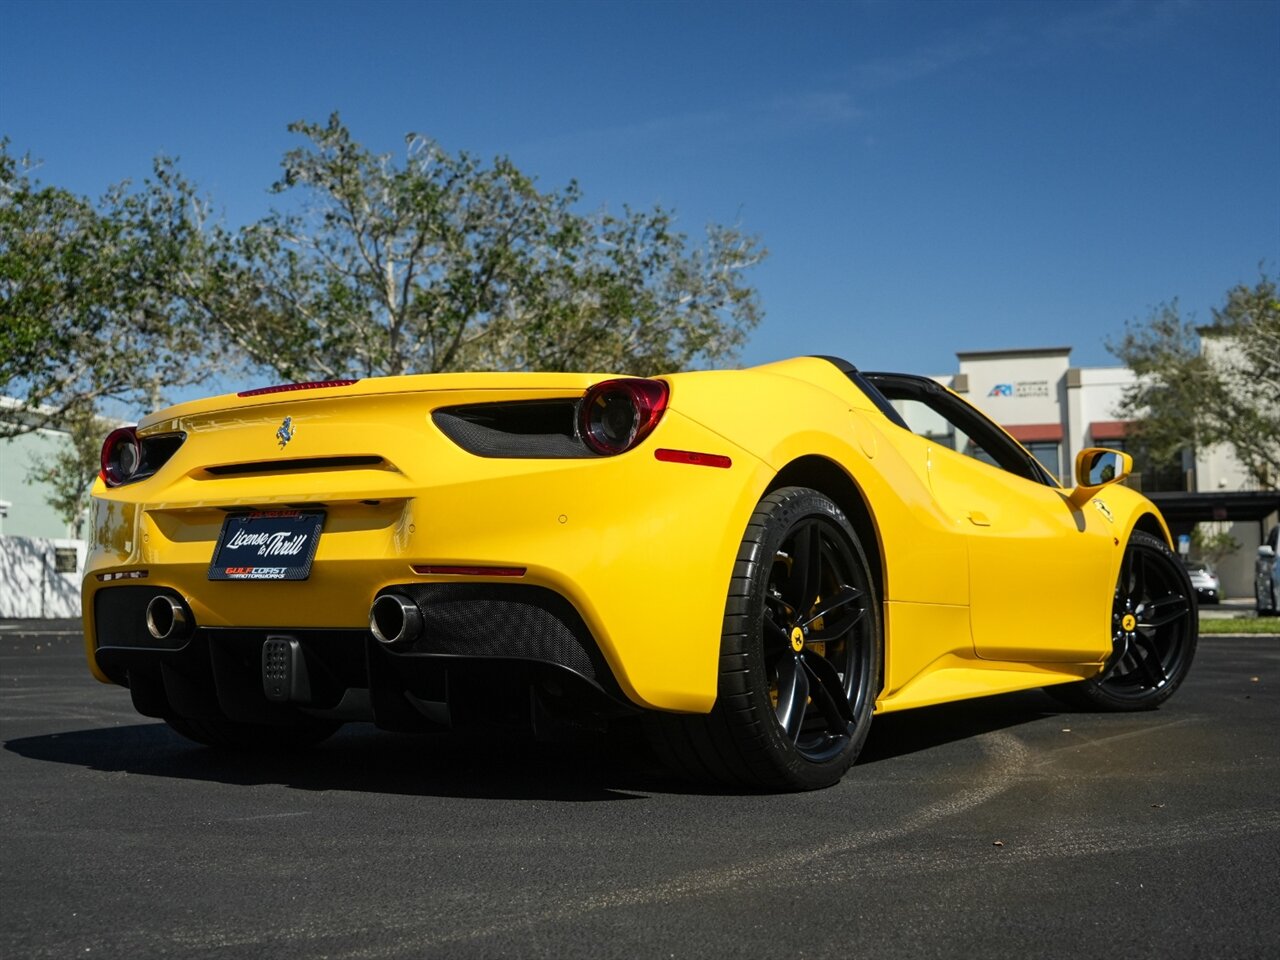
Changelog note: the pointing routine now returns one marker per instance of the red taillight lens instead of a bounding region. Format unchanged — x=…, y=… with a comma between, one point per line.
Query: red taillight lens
x=435, y=569
x=696, y=459
x=121, y=456
x=615, y=415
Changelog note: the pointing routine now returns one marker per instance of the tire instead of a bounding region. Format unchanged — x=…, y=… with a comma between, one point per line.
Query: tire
x=1154, y=629
x=799, y=657
x=253, y=737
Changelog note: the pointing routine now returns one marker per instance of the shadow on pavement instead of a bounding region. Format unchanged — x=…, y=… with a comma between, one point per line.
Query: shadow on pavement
x=481, y=766
x=361, y=759
x=898, y=734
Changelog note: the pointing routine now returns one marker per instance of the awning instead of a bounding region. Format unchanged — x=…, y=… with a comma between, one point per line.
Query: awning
x=1109, y=429
x=1035, y=432
x=1182, y=508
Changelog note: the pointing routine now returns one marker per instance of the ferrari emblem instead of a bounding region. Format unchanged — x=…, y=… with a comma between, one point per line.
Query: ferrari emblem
x=1104, y=510
x=286, y=432
x=797, y=639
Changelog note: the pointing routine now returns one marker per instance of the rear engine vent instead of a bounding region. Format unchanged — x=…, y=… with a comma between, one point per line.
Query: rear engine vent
x=505, y=621
x=521, y=430
x=302, y=464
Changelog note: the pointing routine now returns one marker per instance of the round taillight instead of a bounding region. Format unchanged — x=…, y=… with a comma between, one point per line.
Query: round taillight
x=615, y=415
x=121, y=456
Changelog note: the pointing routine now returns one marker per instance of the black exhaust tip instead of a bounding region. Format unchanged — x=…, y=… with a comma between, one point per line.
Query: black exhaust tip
x=395, y=620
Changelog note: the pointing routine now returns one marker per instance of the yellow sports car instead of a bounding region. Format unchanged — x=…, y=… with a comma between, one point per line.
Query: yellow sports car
x=753, y=561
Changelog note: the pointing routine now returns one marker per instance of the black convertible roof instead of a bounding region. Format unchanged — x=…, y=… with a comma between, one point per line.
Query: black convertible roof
x=866, y=386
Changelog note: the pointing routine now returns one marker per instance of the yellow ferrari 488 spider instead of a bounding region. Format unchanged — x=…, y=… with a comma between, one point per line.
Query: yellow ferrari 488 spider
x=754, y=562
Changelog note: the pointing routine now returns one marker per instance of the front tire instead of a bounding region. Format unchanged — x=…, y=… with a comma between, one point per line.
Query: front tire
x=799, y=657
x=1154, y=629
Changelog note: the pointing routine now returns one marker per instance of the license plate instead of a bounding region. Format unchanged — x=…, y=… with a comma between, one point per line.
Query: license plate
x=273, y=545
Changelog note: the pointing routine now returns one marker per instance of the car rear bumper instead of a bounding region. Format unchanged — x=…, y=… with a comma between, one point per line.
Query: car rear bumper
x=640, y=550
x=487, y=651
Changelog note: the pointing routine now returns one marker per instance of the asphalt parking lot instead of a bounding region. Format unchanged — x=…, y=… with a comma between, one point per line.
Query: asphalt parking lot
x=995, y=828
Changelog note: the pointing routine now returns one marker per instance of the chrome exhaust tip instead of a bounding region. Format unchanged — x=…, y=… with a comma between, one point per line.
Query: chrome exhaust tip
x=395, y=620
x=167, y=618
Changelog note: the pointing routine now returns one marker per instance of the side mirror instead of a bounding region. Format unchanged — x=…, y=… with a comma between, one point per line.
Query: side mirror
x=1095, y=468
x=1266, y=553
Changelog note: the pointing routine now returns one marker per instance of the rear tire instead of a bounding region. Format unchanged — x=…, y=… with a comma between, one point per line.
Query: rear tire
x=799, y=657
x=1154, y=629
x=253, y=737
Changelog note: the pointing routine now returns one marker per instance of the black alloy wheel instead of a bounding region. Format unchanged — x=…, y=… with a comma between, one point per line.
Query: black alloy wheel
x=800, y=655
x=816, y=666
x=1154, y=629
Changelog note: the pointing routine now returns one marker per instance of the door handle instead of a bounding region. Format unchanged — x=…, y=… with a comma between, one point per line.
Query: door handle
x=978, y=518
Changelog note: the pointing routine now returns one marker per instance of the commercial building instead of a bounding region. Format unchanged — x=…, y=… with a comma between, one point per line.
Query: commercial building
x=24, y=509
x=40, y=559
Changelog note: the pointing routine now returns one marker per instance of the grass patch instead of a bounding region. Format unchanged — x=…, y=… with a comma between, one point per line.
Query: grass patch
x=1250, y=625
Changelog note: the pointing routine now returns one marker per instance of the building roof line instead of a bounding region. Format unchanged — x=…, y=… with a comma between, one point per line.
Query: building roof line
x=1013, y=352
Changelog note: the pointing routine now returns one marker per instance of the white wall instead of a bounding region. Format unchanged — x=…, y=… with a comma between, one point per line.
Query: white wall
x=30, y=587
x=1093, y=394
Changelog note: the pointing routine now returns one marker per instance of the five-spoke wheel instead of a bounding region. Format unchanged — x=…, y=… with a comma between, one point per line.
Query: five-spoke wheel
x=800, y=656
x=1153, y=632
x=816, y=660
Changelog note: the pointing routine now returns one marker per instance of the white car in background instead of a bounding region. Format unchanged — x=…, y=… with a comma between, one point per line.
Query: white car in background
x=1266, y=581
x=1206, y=583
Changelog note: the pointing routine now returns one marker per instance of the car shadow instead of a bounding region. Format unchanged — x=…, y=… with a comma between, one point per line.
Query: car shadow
x=363, y=759
x=924, y=728
x=482, y=765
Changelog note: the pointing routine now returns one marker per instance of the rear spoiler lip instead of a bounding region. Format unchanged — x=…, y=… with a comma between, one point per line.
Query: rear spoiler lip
x=535, y=384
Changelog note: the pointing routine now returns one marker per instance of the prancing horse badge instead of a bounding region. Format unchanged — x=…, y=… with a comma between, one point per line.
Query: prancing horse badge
x=286, y=432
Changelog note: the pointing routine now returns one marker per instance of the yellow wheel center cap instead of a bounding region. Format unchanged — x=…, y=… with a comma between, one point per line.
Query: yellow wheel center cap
x=797, y=639
x=1129, y=622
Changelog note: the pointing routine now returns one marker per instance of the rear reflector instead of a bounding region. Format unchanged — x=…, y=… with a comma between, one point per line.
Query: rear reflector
x=290, y=387
x=697, y=459
x=432, y=570
x=123, y=575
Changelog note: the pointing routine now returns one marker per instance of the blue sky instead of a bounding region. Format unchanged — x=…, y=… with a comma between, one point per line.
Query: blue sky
x=927, y=177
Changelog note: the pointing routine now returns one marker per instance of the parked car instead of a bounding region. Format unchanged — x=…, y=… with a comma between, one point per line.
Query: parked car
x=1267, y=574
x=750, y=562
x=1206, y=583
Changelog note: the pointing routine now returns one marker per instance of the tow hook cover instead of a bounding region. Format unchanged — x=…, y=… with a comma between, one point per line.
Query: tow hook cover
x=284, y=671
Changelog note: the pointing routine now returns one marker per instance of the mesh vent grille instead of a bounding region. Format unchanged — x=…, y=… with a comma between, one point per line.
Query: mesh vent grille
x=535, y=429
x=504, y=620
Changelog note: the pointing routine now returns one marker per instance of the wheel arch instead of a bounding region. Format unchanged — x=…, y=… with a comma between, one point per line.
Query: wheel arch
x=1151, y=523
x=829, y=478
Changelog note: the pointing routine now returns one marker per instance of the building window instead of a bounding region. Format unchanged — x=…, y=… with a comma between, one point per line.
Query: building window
x=1046, y=451
x=1151, y=475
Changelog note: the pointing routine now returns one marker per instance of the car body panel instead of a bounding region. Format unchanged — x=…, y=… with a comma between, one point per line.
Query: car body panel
x=643, y=549
x=559, y=518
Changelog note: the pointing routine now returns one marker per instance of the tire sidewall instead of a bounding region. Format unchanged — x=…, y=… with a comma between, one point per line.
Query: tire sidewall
x=783, y=510
x=1097, y=690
